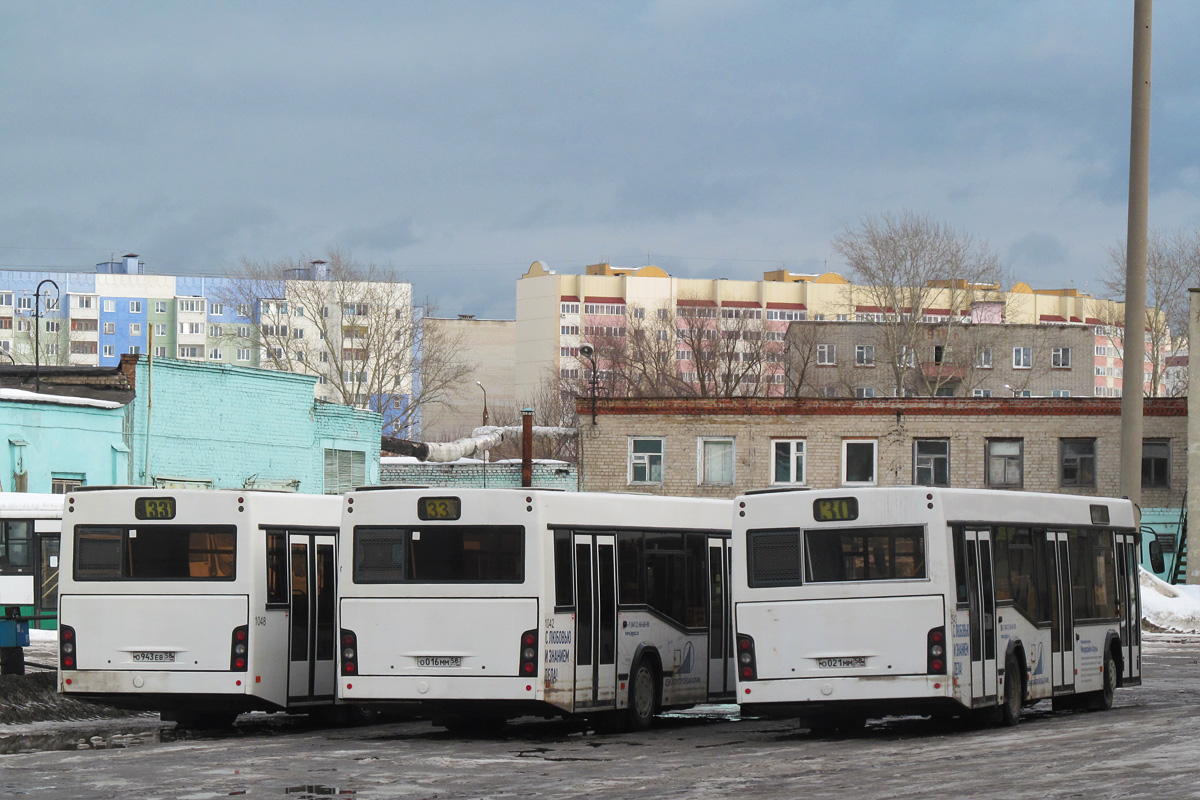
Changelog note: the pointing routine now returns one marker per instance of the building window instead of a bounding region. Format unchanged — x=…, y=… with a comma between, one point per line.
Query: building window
x=216, y=309
x=160, y=352
x=788, y=464
x=344, y=470
x=6, y=298
x=1156, y=463
x=160, y=329
x=53, y=326
x=81, y=301
x=214, y=331
x=191, y=328
x=192, y=305
x=826, y=354
x=645, y=460
x=981, y=392
x=1060, y=392
x=62, y=485
x=1078, y=462
x=110, y=306
x=215, y=354
x=858, y=462
x=135, y=329
x=160, y=306
x=135, y=306
x=1022, y=357
x=1004, y=463
x=931, y=462
x=1022, y=393
x=243, y=354
x=864, y=392
x=1060, y=358
x=864, y=355
x=109, y=350
x=24, y=303
x=190, y=351
x=110, y=328
x=716, y=461
x=135, y=350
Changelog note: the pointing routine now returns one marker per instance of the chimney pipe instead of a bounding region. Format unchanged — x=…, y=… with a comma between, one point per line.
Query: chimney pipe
x=526, y=448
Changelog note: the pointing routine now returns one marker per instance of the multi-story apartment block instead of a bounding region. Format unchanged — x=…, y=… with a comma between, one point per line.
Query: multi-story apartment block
x=92, y=319
x=556, y=313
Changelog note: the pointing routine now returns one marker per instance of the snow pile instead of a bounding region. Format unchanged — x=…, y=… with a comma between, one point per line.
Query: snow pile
x=484, y=438
x=1172, y=609
x=14, y=504
x=20, y=395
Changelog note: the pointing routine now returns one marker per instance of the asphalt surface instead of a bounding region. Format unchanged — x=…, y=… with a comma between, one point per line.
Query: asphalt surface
x=1149, y=744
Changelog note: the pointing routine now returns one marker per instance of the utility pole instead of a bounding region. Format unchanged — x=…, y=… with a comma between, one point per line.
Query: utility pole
x=1134, y=339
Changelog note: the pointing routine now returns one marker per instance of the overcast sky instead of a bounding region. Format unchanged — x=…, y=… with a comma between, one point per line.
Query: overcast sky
x=459, y=141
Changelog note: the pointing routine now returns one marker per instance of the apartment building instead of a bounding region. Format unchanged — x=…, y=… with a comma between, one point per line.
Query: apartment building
x=556, y=313
x=295, y=325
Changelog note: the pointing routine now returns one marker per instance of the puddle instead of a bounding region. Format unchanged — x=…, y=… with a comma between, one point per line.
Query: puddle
x=73, y=740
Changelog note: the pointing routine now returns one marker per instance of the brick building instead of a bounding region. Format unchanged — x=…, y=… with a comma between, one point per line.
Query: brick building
x=723, y=447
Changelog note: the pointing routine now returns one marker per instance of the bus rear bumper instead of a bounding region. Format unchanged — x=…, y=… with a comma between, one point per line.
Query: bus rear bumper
x=149, y=690
x=429, y=688
x=871, y=697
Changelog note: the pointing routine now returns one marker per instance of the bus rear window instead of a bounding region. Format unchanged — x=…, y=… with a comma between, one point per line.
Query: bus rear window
x=440, y=554
x=865, y=554
x=155, y=553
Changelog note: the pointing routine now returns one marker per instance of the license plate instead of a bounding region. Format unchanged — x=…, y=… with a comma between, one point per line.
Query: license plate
x=439, y=661
x=161, y=656
x=841, y=663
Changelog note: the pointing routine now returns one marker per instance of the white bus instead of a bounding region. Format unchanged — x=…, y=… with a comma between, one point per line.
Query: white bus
x=29, y=531
x=487, y=604
x=857, y=603
x=199, y=604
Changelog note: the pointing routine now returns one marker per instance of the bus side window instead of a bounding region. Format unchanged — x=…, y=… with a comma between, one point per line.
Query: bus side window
x=960, y=569
x=564, y=574
x=631, y=568
x=277, y=569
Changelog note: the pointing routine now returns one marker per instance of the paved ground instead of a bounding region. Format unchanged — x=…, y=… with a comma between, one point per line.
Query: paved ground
x=1149, y=744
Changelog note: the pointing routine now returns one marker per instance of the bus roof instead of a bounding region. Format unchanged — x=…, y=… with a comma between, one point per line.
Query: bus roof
x=14, y=503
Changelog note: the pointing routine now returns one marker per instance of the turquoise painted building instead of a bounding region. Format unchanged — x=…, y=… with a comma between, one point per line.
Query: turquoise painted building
x=196, y=424
x=53, y=443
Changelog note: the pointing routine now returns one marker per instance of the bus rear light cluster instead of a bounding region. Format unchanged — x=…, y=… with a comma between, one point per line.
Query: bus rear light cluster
x=349, y=642
x=66, y=646
x=935, y=647
x=239, y=649
x=529, y=654
x=746, y=664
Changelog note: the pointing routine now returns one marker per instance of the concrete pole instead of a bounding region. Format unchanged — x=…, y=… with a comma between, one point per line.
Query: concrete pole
x=1193, y=441
x=1135, y=264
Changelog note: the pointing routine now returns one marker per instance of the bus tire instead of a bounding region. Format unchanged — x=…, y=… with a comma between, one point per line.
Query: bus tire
x=643, y=695
x=1010, y=708
x=1103, y=699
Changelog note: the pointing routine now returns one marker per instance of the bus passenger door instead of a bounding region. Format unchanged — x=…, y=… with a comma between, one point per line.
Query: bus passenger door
x=1062, y=612
x=312, y=629
x=47, y=575
x=981, y=594
x=720, y=638
x=595, y=620
x=1128, y=604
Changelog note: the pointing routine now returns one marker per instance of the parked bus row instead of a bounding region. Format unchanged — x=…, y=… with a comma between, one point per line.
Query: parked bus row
x=474, y=606
x=29, y=534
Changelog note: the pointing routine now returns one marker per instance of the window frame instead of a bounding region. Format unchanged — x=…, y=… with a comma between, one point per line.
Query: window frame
x=702, y=460
x=1165, y=483
x=792, y=462
x=864, y=355
x=932, y=467
x=1060, y=358
x=874, y=480
x=634, y=459
x=988, y=478
x=1021, y=363
x=826, y=355
x=1081, y=463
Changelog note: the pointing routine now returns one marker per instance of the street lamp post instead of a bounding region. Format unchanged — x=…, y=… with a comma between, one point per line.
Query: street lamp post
x=487, y=454
x=589, y=352
x=37, y=328
x=485, y=414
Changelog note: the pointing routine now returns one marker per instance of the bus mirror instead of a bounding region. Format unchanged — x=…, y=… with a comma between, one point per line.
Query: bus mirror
x=1156, y=556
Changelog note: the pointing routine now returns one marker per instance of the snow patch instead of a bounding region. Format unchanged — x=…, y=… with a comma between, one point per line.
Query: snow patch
x=33, y=397
x=1174, y=609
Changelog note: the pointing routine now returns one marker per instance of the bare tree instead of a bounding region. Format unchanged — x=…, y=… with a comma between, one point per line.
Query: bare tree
x=351, y=324
x=909, y=271
x=1172, y=266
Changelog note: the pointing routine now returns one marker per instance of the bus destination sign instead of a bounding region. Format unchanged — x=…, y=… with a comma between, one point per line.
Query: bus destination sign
x=835, y=509
x=154, y=508
x=439, y=508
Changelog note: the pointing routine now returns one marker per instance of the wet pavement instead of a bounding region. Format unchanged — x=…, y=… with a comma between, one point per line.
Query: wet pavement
x=1149, y=744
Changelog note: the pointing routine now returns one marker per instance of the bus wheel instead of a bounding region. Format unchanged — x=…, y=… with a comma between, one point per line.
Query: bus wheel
x=1103, y=699
x=1010, y=712
x=643, y=696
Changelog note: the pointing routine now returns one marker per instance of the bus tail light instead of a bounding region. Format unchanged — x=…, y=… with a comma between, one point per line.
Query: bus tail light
x=66, y=647
x=746, y=664
x=529, y=654
x=349, y=642
x=935, y=647
x=239, y=649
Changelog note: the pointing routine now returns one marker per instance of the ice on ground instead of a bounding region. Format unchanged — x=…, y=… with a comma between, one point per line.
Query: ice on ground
x=1174, y=609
